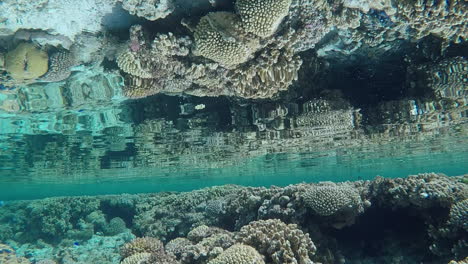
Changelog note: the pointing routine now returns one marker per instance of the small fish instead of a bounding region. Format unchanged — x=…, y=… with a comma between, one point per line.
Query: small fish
x=76, y=243
x=5, y=251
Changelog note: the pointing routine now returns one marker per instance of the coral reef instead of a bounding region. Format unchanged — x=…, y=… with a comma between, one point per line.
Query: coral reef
x=60, y=67
x=274, y=221
x=67, y=20
x=7, y=255
x=281, y=243
x=218, y=37
x=149, y=9
x=262, y=17
x=238, y=254
x=141, y=245
x=26, y=62
x=136, y=258
x=330, y=199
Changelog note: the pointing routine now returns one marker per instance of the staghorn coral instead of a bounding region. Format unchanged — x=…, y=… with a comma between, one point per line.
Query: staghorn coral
x=149, y=9
x=262, y=17
x=138, y=258
x=60, y=64
x=328, y=200
x=239, y=254
x=279, y=242
x=218, y=37
x=141, y=245
x=26, y=62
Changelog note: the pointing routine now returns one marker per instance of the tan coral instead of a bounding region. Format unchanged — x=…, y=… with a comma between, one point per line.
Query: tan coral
x=138, y=258
x=330, y=199
x=262, y=17
x=271, y=72
x=218, y=36
x=26, y=62
x=141, y=245
x=60, y=67
x=279, y=242
x=445, y=19
x=129, y=63
x=239, y=254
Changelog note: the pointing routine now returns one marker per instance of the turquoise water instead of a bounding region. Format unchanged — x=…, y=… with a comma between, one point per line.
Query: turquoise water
x=443, y=154
x=259, y=131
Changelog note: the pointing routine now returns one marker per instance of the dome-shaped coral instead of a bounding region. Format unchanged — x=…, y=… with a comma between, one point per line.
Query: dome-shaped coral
x=26, y=62
x=262, y=17
x=239, y=254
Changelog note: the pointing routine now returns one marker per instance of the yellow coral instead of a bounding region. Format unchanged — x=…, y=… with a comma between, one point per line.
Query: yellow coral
x=262, y=17
x=218, y=36
x=26, y=62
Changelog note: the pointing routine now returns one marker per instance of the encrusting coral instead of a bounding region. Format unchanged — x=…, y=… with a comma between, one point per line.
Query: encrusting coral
x=26, y=62
x=262, y=17
x=239, y=254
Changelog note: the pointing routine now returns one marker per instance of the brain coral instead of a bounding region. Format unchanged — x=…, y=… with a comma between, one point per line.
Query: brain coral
x=279, y=242
x=239, y=254
x=330, y=199
x=218, y=37
x=26, y=62
x=262, y=17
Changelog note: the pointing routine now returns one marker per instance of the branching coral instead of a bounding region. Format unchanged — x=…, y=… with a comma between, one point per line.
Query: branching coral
x=239, y=254
x=279, y=242
x=26, y=62
x=262, y=17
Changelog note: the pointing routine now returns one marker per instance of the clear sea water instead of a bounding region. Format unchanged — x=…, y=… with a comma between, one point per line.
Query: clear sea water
x=359, y=108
